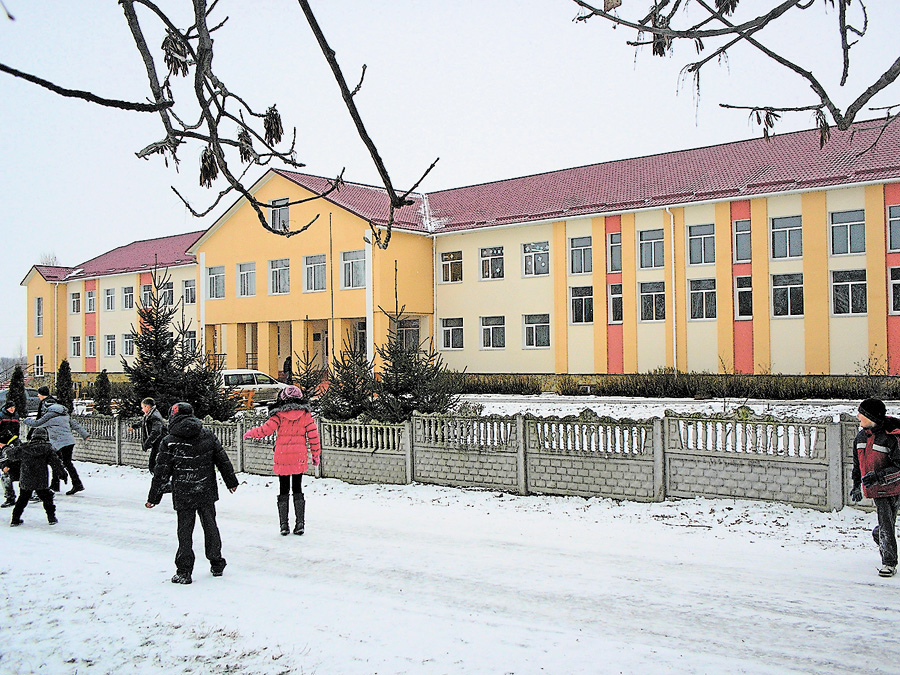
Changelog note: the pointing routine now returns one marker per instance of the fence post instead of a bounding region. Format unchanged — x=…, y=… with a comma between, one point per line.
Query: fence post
x=521, y=459
x=119, y=424
x=407, y=440
x=239, y=443
x=834, y=498
x=659, y=459
x=323, y=441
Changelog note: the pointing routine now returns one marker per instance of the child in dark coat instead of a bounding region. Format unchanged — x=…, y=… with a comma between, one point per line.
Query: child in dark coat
x=9, y=435
x=34, y=457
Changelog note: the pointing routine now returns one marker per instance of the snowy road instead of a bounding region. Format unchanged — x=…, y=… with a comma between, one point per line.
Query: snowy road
x=420, y=579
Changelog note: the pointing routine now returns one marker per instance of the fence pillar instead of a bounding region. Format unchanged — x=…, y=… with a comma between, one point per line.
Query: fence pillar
x=239, y=444
x=406, y=440
x=834, y=498
x=521, y=458
x=659, y=459
x=119, y=433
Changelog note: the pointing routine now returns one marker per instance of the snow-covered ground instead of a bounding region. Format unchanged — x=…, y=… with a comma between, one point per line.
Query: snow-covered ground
x=421, y=579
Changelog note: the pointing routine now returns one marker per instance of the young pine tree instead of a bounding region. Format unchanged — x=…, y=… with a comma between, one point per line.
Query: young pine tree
x=102, y=394
x=308, y=376
x=350, y=386
x=65, y=390
x=17, y=391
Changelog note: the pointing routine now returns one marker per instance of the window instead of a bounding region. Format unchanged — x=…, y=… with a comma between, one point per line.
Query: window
x=653, y=301
x=246, y=279
x=215, y=281
x=279, y=215
x=895, y=289
x=110, y=345
x=315, y=272
x=703, y=298
x=583, y=304
x=90, y=302
x=451, y=267
x=581, y=255
x=894, y=228
x=492, y=263
x=353, y=269
x=75, y=346
x=190, y=341
x=38, y=316
x=616, y=310
x=128, y=344
x=109, y=299
x=75, y=303
x=787, y=237
x=360, y=337
x=743, y=298
x=452, y=333
x=408, y=332
x=128, y=297
x=91, y=346
x=536, y=258
x=702, y=244
x=146, y=295
x=651, y=248
x=493, y=332
x=537, y=330
x=167, y=294
x=614, y=256
x=38, y=365
x=279, y=276
x=189, y=291
x=787, y=295
x=742, y=251
x=848, y=232
x=848, y=291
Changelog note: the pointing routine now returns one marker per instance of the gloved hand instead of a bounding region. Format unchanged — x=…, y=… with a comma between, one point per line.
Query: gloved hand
x=315, y=461
x=64, y=477
x=856, y=494
x=871, y=478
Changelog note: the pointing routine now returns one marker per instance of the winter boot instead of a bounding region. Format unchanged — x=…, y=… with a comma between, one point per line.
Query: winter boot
x=8, y=491
x=182, y=578
x=283, y=515
x=77, y=485
x=51, y=513
x=299, y=513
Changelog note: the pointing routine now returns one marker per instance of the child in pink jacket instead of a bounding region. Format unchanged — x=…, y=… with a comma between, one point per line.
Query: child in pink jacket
x=296, y=436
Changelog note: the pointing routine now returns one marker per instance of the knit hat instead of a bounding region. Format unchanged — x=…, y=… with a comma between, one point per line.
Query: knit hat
x=873, y=409
x=44, y=391
x=181, y=408
x=40, y=434
x=291, y=391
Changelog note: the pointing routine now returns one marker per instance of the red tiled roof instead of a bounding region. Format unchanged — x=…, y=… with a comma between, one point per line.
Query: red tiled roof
x=738, y=170
x=53, y=272
x=366, y=201
x=139, y=256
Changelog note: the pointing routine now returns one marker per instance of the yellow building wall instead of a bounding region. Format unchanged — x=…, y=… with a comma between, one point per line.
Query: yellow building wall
x=580, y=348
x=698, y=338
x=816, y=294
x=652, y=340
x=787, y=335
x=759, y=270
x=51, y=344
x=876, y=277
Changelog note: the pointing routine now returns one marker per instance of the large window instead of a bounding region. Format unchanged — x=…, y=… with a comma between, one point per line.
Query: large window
x=110, y=345
x=742, y=250
x=848, y=291
x=651, y=249
x=493, y=332
x=146, y=295
x=537, y=330
x=583, y=304
x=787, y=237
x=38, y=317
x=75, y=346
x=167, y=293
x=314, y=276
x=703, y=298
x=246, y=279
x=280, y=276
x=360, y=337
x=451, y=267
x=190, y=341
x=215, y=282
x=492, y=262
x=90, y=302
x=894, y=228
x=408, y=332
x=279, y=217
x=91, y=346
x=38, y=365
x=75, y=303
x=787, y=295
x=452, y=333
x=189, y=291
x=536, y=258
x=616, y=310
x=353, y=269
x=743, y=298
x=128, y=297
x=702, y=244
x=614, y=252
x=580, y=256
x=109, y=299
x=848, y=232
x=653, y=301
x=128, y=344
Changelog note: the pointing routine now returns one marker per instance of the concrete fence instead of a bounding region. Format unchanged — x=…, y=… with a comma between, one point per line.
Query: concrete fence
x=806, y=463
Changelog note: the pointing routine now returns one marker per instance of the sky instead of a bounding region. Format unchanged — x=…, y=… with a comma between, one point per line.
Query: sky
x=495, y=89
x=424, y=579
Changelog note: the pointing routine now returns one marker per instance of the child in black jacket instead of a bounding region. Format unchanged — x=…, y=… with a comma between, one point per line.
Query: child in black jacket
x=34, y=457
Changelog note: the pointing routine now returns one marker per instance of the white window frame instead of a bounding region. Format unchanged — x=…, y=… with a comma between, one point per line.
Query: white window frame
x=652, y=248
x=127, y=344
x=450, y=329
x=127, y=297
x=848, y=232
x=315, y=273
x=581, y=305
x=246, y=276
x=851, y=287
x=109, y=299
x=353, y=269
x=215, y=282
x=146, y=295
x=90, y=302
x=38, y=365
x=652, y=290
x=702, y=297
x=38, y=316
x=581, y=255
x=490, y=269
x=280, y=276
x=743, y=285
x=279, y=214
x=75, y=346
x=452, y=267
x=536, y=259
x=536, y=331
x=75, y=303
x=615, y=302
x=787, y=233
x=894, y=290
x=893, y=229
x=408, y=332
x=614, y=252
x=167, y=294
x=190, y=340
x=494, y=331
x=110, y=348
x=90, y=346
x=189, y=291
x=740, y=230
x=786, y=284
x=701, y=242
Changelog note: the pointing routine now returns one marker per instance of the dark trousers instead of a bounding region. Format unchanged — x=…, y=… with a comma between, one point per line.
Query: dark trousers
x=24, y=495
x=65, y=454
x=293, y=482
x=886, y=508
x=184, y=558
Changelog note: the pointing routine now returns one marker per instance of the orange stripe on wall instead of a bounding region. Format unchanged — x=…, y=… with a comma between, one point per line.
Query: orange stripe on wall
x=876, y=275
x=615, y=357
x=724, y=284
x=816, y=305
x=598, y=279
x=742, y=330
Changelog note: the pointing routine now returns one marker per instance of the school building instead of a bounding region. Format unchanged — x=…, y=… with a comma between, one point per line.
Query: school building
x=751, y=257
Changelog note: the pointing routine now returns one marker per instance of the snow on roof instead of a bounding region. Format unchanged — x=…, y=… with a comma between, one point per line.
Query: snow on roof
x=139, y=256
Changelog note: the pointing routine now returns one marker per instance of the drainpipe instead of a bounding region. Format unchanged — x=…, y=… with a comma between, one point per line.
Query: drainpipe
x=674, y=314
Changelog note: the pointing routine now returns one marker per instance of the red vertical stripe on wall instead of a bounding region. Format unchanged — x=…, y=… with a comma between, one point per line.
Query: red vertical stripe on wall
x=90, y=324
x=615, y=346
x=743, y=330
x=892, y=198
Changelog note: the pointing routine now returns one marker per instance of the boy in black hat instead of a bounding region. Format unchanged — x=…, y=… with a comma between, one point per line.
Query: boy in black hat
x=9, y=435
x=876, y=470
x=34, y=457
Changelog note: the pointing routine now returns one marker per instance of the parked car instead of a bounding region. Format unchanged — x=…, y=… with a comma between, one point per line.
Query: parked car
x=31, y=399
x=264, y=387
